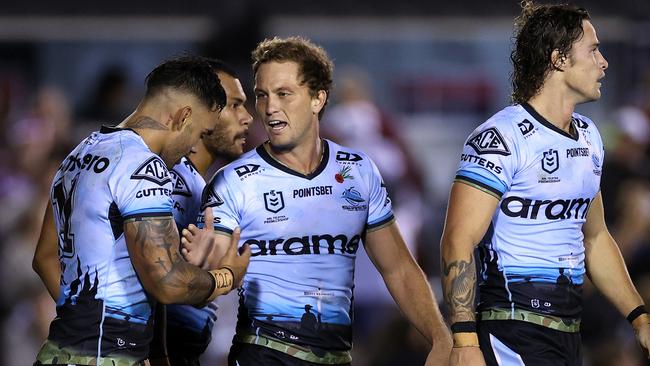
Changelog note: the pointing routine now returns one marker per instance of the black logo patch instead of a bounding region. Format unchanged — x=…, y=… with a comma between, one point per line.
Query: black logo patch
x=246, y=169
x=180, y=186
x=525, y=127
x=346, y=156
x=210, y=198
x=489, y=141
x=551, y=161
x=189, y=165
x=273, y=201
x=580, y=123
x=153, y=170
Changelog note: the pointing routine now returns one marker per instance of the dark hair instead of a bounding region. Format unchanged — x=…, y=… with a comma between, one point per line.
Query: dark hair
x=220, y=66
x=315, y=67
x=191, y=74
x=540, y=30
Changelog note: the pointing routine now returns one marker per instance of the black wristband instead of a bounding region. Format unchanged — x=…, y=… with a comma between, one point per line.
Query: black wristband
x=638, y=311
x=463, y=327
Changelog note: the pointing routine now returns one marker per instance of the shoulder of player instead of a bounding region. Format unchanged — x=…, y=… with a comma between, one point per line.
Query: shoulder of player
x=583, y=122
x=508, y=121
x=185, y=167
x=243, y=167
x=347, y=155
x=500, y=133
x=144, y=164
x=186, y=179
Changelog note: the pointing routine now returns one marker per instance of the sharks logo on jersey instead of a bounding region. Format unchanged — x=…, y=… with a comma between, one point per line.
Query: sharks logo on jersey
x=535, y=241
x=304, y=232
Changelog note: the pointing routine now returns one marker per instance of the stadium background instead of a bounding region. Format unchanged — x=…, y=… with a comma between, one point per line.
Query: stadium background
x=412, y=79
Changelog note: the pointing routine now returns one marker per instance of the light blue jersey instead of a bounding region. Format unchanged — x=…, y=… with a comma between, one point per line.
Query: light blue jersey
x=108, y=178
x=304, y=232
x=545, y=179
x=188, y=328
x=188, y=185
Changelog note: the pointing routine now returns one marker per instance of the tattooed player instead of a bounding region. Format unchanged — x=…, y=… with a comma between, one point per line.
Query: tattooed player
x=111, y=212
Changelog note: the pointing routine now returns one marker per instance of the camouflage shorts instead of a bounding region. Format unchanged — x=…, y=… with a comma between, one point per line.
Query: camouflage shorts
x=297, y=351
x=52, y=354
x=548, y=321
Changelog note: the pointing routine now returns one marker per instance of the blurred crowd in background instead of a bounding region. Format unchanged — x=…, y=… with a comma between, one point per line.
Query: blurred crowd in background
x=408, y=89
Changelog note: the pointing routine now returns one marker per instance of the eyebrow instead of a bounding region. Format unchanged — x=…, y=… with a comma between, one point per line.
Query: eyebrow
x=238, y=100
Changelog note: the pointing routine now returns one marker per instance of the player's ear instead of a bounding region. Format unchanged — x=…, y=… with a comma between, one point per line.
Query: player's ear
x=558, y=60
x=318, y=101
x=183, y=117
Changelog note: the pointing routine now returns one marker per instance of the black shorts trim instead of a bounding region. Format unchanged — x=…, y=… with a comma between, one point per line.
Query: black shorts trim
x=513, y=342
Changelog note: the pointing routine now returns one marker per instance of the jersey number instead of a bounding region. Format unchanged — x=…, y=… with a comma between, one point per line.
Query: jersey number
x=63, y=201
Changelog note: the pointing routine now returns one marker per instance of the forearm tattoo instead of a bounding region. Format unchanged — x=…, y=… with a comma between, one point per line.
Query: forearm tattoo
x=459, y=279
x=158, y=238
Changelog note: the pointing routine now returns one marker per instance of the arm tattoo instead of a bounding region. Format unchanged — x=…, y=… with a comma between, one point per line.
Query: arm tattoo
x=460, y=287
x=146, y=122
x=158, y=238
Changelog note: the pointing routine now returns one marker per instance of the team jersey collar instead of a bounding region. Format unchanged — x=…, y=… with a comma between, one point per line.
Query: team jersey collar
x=573, y=136
x=111, y=129
x=190, y=162
x=276, y=164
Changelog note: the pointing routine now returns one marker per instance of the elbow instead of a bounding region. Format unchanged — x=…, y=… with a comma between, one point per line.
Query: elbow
x=451, y=244
x=162, y=294
x=36, y=264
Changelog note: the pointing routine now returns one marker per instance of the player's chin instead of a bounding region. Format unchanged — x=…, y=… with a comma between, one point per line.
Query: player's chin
x=596, y=94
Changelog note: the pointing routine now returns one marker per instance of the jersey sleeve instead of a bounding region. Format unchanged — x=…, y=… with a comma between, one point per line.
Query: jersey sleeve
x=489, y=159
x=217, y=194
x=380, y=208
x=186, y=197
x=142, y=188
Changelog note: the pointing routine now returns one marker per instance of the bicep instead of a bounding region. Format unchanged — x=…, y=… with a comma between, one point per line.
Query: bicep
x=386, y=248
x=595, y=223
x=47, y=246
x=469, y=214
x=153, y=246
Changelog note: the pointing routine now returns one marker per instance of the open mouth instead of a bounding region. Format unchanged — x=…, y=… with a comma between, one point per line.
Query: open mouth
x=277, y=124
x=241, y=137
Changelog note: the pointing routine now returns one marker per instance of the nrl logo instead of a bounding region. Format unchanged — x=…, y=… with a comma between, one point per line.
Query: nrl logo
x=550, y=161
x=273, y=201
